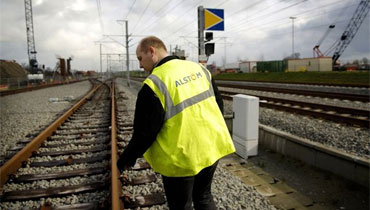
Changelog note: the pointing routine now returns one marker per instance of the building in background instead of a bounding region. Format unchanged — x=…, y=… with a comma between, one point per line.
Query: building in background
x=231, y=68
x=248, y=66
x=310, y=64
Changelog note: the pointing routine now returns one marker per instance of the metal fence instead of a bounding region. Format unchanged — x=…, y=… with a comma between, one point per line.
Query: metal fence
x=14, y=82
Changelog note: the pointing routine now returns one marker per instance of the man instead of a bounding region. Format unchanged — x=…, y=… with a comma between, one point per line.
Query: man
x=178, y=126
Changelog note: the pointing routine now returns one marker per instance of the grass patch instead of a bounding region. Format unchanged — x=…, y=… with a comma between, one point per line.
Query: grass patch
x=334, y=78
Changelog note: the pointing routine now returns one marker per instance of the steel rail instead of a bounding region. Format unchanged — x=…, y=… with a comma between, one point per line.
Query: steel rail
x=12, y=165
x=337, y=109
x=140, y=79
x=342, y=96
x=299, y=83
x=324, y=115
x=116, y=185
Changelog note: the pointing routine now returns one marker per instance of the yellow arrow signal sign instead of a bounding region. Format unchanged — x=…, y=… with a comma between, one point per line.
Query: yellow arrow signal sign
x=214, y=19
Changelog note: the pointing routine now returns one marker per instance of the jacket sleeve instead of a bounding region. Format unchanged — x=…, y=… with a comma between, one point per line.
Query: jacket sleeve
x=148, y=121
x=218, y=96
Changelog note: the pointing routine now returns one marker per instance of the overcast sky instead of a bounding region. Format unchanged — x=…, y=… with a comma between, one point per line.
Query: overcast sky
x=254, y=29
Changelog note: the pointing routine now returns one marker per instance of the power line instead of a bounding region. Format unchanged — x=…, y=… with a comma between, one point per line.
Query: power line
x=164, y=14
x=216, y=6
x=297, y=15
x=129, y=10
x=300, y=15
x=221, y=3
x=189, y=10
x=142, y=15
x=268, y=14
x=156, y=12
x=100, y=16
x=245, y=8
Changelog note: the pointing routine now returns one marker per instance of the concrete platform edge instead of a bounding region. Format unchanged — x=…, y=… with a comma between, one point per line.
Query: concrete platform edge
x=316, y=154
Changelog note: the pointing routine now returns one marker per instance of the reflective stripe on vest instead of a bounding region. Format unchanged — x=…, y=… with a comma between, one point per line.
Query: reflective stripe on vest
x=172, y=110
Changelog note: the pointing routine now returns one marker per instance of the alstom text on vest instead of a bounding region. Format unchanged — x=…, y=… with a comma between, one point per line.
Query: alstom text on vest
x=188, y=78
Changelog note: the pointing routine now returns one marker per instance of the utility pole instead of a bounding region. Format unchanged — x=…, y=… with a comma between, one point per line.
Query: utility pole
x=224, y=51
x=201, y=46
x=107, y=63
x=127, y=56
x=127, y=53
x=292, y=18
x=101, y=65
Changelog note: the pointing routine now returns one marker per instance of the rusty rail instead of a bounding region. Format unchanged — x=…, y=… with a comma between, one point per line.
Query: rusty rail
x=115, y=182
x=12, y=165
x=341, y=96
x=325, y=114
x=337, y=109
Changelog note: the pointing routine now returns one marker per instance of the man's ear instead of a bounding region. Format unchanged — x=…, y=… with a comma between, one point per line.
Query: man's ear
x=151, y=50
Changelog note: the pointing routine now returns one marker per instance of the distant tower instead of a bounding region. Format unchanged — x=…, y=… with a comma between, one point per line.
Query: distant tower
x=30, y=37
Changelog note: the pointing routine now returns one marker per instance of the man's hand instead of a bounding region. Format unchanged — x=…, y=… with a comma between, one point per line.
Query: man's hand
x=122, y=165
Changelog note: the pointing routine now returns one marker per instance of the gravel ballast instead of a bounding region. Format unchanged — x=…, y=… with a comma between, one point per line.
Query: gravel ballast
x=352, y=140
x=229, y=192
x=23, y=113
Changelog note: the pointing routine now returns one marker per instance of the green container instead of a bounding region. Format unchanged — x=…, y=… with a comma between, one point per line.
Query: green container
x=272, y=66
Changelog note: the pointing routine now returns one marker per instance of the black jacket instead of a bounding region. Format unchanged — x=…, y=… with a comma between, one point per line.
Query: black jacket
x=148, y=121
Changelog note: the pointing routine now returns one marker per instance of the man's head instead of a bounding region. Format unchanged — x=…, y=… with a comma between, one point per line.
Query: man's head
x=149, y=52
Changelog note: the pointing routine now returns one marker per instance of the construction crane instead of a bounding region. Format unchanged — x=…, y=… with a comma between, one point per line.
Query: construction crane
x=351, y=29
x=316, y=50
x=30, y=38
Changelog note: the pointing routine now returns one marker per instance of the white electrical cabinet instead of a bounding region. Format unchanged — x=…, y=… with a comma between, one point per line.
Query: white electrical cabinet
x=245, y=125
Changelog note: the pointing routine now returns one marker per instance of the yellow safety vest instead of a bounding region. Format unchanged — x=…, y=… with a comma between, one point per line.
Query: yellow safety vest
x=194, y=134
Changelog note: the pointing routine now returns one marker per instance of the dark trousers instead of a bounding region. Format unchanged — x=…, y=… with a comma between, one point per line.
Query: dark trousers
x=182, y=191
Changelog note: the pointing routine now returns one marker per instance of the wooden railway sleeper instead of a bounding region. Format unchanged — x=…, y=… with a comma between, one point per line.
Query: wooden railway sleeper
x=52, y=192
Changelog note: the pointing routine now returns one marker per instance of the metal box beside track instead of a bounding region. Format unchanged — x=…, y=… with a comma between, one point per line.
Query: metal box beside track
x=245, y=125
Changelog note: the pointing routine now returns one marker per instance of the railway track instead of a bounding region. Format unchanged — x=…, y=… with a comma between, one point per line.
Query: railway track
x=72, y=163
x=333, y=113
x=305, y=92
x=338, y=114
x=308, y=84
x=321, y=94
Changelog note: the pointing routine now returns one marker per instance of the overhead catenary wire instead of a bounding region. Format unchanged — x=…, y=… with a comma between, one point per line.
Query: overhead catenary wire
x=310, y=16
x=264, y=15
x=145, y=27
x=100, y=16
x=152, y=24
x=132, y=5
x=141, y=16
x=243, y=25
x=173, y=33
x=299, y=15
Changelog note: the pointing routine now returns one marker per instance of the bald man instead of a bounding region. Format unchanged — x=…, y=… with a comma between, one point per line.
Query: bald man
x=178, y=126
